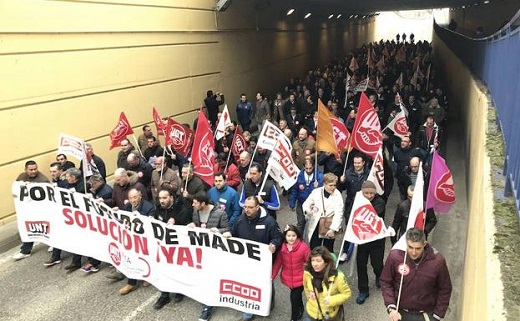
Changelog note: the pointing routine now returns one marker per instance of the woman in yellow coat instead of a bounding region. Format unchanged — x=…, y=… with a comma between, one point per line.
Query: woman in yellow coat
x=325, y=287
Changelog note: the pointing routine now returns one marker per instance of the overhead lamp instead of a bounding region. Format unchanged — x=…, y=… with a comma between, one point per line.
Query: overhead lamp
x=351, y=16
x=364, y=17
x=290, y=11
x=339, y=16
x=486, y=2
x=330, y=17
x=307, y=15
x=355, y=17
x=463, y=7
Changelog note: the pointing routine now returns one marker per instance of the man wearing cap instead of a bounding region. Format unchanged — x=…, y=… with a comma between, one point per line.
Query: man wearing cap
x=375, y=249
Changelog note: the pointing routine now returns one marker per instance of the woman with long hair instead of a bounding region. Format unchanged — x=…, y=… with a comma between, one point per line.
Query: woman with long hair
x=325, y=287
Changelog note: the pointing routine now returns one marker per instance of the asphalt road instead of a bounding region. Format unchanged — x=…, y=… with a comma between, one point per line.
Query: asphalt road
x=33, y=292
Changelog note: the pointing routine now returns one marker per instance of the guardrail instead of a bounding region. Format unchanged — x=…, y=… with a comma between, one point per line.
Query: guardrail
x=496, y=61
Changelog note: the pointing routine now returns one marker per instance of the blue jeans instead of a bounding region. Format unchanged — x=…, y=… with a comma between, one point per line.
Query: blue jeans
x=247, y=316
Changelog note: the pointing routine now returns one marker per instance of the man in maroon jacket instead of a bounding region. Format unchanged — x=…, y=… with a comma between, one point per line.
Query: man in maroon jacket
x=426, y=285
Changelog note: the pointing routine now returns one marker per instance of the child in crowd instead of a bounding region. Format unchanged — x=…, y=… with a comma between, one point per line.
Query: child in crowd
x=291, y=259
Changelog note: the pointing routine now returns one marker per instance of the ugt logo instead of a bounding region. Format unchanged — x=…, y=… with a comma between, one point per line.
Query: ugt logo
x=34, y=228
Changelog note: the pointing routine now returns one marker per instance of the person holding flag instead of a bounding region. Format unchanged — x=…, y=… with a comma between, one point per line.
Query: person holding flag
x=416, y=283
x=262, y=189
x=373, y=250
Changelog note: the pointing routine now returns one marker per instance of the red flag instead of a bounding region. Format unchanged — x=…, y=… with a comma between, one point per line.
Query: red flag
x=341, y=134
x=179, y=137
x=203, y=152
x=366, y=134
x=120, y=132
x=239, y=143
x=441, y=194
x=160, y=124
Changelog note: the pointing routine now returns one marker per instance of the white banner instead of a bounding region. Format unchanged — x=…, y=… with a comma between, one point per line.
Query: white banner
x=377, y=172
x=192, y=261
x=223, y=123
x=364, y=225
x=282, y=167
x=270, y=135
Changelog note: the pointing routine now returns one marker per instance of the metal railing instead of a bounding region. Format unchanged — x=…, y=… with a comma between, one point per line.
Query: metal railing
x=496, y=61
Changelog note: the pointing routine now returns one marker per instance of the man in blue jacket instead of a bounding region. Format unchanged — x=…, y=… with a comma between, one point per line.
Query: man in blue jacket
x=244, y=112
x=307, y=180
x=226, y=197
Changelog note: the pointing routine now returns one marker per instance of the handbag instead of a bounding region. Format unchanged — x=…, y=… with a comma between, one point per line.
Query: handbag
x=325, y=221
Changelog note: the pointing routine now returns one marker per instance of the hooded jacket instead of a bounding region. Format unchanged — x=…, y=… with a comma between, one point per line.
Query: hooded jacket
x=292, y=263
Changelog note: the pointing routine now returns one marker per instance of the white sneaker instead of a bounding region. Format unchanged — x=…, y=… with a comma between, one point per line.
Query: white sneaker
x=20, y=255
x=343, y=257
x=50, y=249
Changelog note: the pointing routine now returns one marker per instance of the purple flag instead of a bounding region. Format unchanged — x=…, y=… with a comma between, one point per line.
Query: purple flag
x=441, y=194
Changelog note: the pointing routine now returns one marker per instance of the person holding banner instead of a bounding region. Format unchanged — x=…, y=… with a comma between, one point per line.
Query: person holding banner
x=325, y=287
x=262, y=189
x=416, y=284
x=324, y=211
x=137, y=206
x=209, y=216
x=255, y=225
x=172, y=210
x=375, y=249
x=31, y=174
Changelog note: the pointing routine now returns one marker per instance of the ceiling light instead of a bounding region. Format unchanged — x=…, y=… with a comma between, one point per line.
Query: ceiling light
x=364, y=17
x=463, y=7
x=290, y=12
x=330, y=17
x=351, y=16
x=339, y=16
x=355, y=17
x=486, y=2
x=307, y=15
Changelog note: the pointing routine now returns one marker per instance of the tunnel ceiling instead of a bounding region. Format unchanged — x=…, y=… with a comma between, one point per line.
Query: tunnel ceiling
x=326, y=7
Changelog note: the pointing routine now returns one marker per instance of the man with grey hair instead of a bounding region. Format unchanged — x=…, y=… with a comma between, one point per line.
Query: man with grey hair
x=421, y=277
x=124, y=181
x=163, y=176
x=191, y=184
x=244, y=161
x=99, y=189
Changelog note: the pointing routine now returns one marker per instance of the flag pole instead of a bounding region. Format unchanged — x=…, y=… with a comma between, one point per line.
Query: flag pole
x=137, y=145
x=265, y=178
x=316, y=153
x=186, y=184
x=352, y=259
x=163, y=153
x=252, y=157
x=401, y=283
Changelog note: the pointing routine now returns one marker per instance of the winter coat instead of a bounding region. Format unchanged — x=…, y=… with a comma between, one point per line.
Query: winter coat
x=302, y=189
x=227, y=199
x=217, y=218
x=333, y=207
x=338, y=295
x=292, y=263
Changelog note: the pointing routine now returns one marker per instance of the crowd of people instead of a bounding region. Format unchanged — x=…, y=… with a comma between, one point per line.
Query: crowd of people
x=398, y=75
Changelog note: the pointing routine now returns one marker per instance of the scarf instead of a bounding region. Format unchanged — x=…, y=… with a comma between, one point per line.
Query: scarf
x=317, y=279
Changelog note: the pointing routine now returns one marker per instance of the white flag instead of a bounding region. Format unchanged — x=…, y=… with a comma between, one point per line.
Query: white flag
x=362, y=85
x=75, y=147
x=282, y=167
x=377, y=172
x=399, y=125
x=223, y=123
x=270, y=135
x=416, y=217
x=364, y=225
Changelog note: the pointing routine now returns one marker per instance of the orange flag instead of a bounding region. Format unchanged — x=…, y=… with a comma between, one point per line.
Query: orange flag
x=325, y=141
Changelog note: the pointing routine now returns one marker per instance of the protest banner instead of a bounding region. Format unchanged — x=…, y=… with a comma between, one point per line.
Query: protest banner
x=191, y=261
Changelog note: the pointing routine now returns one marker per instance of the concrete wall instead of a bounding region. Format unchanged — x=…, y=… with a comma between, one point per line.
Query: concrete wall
x=72, y=66
x=482, y=292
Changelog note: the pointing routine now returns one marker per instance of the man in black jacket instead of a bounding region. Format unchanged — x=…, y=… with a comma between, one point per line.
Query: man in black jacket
x=172, y=210
x=212, y=105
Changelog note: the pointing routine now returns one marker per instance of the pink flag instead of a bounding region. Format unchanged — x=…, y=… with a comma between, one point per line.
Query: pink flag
x=441, y=194
x=364, y=225
x=203, y=151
